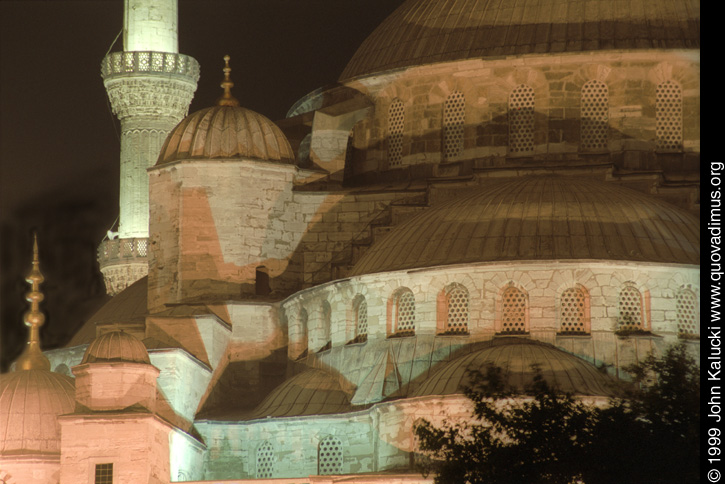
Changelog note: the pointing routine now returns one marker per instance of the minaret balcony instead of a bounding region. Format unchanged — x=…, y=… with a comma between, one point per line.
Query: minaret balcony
x=123, y=262
x=147, y=62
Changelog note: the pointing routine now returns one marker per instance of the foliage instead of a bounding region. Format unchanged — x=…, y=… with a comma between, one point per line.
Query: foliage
x=651, y=434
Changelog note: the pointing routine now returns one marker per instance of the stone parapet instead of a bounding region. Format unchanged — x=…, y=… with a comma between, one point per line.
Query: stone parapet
x=122, y=262
x=168, y=64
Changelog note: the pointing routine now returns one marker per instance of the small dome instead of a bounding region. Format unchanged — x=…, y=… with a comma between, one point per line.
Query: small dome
x=226, y=132
x=312, y=392
x=427, y=31
x=116, y=346
x=515, y=356
x=30, y=403
x=540, y=218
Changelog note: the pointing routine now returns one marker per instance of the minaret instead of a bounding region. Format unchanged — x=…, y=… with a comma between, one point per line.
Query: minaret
x=150, y=86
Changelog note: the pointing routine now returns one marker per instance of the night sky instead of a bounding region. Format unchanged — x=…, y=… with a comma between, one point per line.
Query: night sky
x=59, y=142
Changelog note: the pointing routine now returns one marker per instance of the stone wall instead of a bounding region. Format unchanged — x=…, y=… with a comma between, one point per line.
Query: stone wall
x=631, y=79
x=541, y=283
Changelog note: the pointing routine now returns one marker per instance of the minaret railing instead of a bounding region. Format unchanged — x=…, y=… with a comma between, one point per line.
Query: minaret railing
x=149, y=62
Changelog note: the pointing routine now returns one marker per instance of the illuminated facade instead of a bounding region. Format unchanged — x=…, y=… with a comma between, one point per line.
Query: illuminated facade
x=483, y=184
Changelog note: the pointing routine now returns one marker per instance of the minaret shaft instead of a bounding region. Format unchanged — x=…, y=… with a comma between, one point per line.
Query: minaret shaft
x=150, y=87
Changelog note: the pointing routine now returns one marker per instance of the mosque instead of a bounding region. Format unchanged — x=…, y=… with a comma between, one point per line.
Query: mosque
x=499, y=182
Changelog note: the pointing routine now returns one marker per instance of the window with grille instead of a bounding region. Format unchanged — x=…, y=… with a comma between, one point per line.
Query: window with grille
x=457, y=317
x=454, y=115
x=304, y=335
x=521, y=120
x=361, y=321
x=265, y=461
x=668, y=116
x=630, y=309
x=104, y=474
x=396, y=121
x=329, y=456
x=405, y=313
x=688, y=318
x=594, y=116
x=513, y=311
x=573, y=317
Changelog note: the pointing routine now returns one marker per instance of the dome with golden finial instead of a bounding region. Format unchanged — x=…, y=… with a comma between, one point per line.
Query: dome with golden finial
x=32, y=397
x=226, y=131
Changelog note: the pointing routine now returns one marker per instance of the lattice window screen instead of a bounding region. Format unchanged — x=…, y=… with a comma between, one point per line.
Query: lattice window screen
x=396, y=121
x=265, y=461
x=329, y=456
x=513, y=313
x=521, y=120
x=457, y=321
x=572, y=311
x=454, y=115
x=630, y=308
x=668, y=115
x=594, y=116
x=405, y=312
x=104, y=474
x=361, y=319
x=687, y=313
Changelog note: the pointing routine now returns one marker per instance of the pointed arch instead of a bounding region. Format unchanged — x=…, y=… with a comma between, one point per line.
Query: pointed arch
x=265, y=461
x=453, y=310
x=574, y=311
x=688, y=313
x=330, y=456
x=521, y=120
x=668, y=116
x=631, y=315
x=514, y=311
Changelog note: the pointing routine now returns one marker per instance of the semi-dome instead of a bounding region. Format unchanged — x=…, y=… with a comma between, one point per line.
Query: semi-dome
x=116, y=346
x=518, y=359
x=540, y=218
x=312, y=392
x=30, y=403
x=226, y=132
x=427, y=31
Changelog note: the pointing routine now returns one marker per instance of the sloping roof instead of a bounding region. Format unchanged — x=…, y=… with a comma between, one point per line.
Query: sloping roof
x=540, y=218
x=427, y=31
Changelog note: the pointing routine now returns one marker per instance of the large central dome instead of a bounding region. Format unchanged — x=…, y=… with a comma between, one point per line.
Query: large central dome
x=427, y=31
x=540, y=218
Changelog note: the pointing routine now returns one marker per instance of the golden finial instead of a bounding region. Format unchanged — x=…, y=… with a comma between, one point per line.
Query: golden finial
x=32, y=357
x=227, y=99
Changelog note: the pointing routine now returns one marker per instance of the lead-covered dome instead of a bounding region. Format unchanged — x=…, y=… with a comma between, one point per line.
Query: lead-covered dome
x=30, y=403
x=518, y=360
x=116, y=346
x=540, y=218
x=427, y=31
x=226, y=132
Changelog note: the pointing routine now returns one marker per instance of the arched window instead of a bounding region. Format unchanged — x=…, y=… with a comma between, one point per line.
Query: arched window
x=329, y=456
x=396, y=122
x=521, y=120
x=456, y=301
x=668, y=116
x=514, y=312
x=594, y=116
x=404, y=313
x=630, y=309
x=574, y=311
x=265, y=461
x=361, y=320
x=688, y=315
x=454, y=115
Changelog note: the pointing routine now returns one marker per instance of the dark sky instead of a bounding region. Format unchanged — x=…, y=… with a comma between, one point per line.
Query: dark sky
x=59, y=149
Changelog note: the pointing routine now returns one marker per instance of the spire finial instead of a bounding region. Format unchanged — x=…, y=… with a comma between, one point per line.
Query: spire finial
x=227, y=99
x=33, y=357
